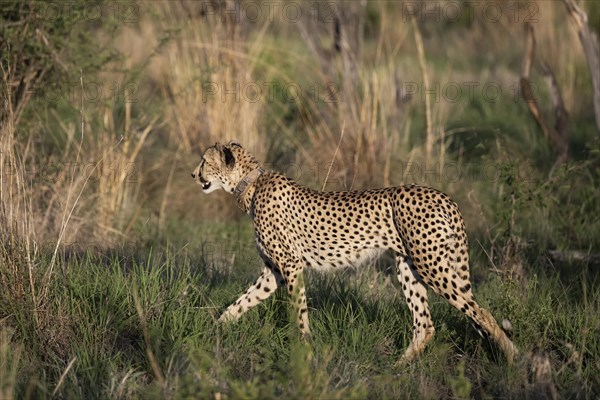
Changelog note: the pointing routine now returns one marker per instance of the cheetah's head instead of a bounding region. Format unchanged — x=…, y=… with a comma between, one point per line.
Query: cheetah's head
x=223, y=167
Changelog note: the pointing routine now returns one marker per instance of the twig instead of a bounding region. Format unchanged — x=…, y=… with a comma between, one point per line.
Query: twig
x=489, y=257
x=334, y=154
x=575, y=255
x=62, y=377
x=151, y=358
x=163, y=204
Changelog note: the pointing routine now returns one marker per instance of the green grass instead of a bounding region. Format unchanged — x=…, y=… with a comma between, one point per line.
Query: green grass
x=172, y=346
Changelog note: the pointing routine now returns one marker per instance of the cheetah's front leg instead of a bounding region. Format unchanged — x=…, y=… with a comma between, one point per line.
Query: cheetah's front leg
x=291, y=269
x=265, y=286
x=285, y=260
x=297, y=291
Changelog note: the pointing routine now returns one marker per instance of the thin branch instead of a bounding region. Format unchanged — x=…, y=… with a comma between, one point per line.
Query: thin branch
x=527, y=91
x=592, y=259
x=557, y=136
x=63, y=376
x=334, y=154
x=561, y=123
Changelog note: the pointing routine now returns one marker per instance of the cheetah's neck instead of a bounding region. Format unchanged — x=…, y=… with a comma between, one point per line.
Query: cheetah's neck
x=244, y=190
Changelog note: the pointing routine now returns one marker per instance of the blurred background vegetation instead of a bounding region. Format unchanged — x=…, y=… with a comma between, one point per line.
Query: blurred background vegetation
x=106, y=107
x=122, y=97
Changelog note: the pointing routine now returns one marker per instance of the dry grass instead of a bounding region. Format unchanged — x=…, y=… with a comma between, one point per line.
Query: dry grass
x=112, y=164
x=206, y=72
x=78, y=200
x=9, y=365
x=18, y=245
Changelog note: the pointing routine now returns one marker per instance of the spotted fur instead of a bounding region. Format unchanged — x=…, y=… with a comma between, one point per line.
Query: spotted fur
x=297, y=228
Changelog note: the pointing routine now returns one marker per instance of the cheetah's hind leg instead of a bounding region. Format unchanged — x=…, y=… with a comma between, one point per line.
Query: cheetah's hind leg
x=459, y=294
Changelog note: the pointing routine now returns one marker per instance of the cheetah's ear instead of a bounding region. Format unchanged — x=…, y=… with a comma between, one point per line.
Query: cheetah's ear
x=233, y=143
x=228, y=156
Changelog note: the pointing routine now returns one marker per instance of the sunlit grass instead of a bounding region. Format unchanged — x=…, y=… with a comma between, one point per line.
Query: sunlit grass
x=361, y=326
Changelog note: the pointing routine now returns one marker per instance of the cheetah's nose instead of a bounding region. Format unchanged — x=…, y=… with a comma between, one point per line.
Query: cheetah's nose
x=193, y=175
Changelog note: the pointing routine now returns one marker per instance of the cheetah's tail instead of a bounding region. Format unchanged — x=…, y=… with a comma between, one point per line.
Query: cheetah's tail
x=485, y=320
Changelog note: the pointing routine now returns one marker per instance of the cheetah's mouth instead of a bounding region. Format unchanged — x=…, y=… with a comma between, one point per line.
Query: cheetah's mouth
x=205, y=184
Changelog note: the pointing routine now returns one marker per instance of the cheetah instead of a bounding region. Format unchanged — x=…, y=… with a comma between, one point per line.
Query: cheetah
x=297, y=228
